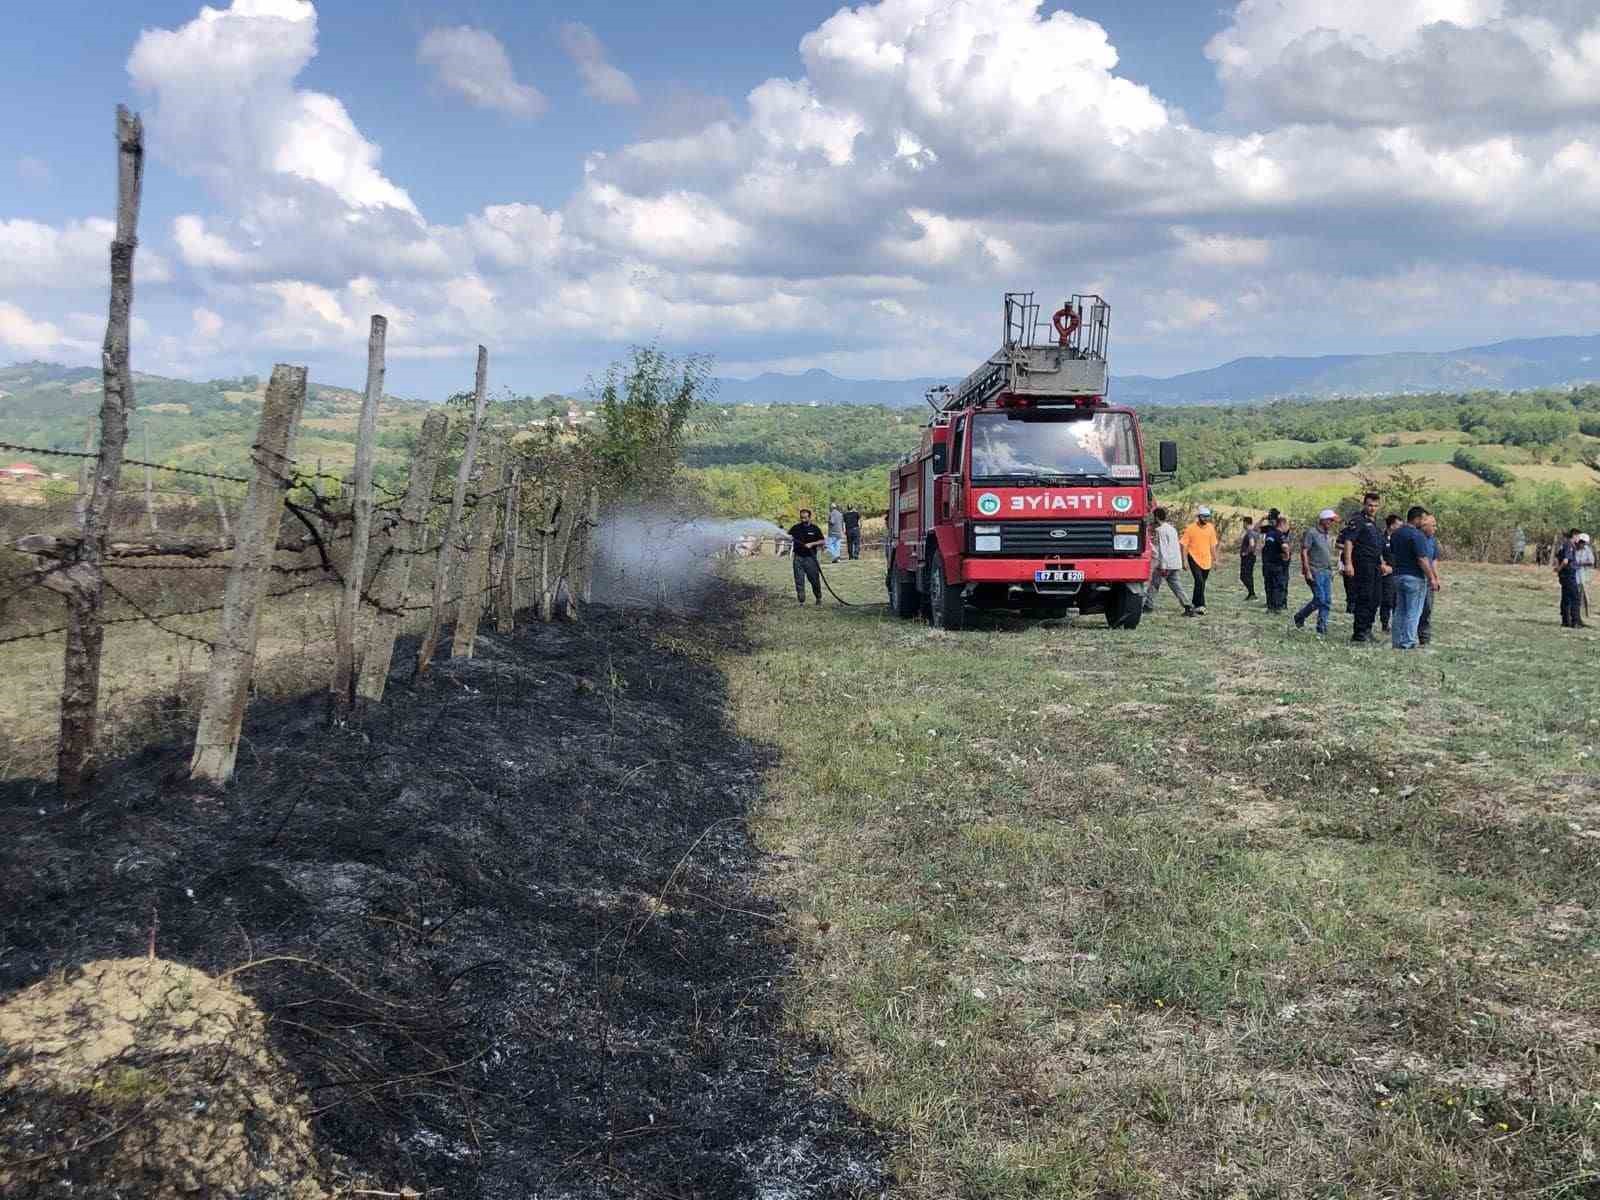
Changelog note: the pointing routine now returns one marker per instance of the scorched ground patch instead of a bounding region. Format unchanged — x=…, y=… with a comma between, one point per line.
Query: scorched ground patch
x=506, y=933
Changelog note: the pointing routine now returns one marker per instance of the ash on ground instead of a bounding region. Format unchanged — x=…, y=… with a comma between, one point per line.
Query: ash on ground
x=669, y=562
x=506, y=934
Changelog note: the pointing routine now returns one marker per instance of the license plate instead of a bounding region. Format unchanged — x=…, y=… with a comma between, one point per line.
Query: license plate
x=1058, y=576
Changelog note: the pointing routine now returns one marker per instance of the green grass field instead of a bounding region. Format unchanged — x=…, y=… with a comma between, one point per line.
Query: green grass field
x=1208, y=909
x=1417, y=452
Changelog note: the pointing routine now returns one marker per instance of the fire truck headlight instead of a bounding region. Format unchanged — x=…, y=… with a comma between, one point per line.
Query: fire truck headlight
x=986, y=529
x=1125, y=541
x=986, y=542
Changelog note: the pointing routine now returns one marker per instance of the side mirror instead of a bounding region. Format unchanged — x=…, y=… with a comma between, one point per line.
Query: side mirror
x=941, y=458
x=1169, y=457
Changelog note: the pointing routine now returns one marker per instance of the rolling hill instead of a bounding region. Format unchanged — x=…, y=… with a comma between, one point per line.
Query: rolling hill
x=1503, y=366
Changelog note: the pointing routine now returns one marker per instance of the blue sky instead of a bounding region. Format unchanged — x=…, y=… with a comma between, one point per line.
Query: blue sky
x=793, y=184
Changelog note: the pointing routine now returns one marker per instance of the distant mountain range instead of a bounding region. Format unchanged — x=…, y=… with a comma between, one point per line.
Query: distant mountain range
x=1503, y=366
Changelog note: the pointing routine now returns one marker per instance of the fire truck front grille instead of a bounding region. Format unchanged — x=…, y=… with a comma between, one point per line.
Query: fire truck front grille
x=1050, y=539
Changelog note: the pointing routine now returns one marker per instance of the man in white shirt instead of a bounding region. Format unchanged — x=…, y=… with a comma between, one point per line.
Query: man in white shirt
x=1166, y=562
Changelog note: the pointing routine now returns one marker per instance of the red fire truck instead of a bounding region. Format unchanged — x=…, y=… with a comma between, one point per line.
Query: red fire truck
x=1029, y=492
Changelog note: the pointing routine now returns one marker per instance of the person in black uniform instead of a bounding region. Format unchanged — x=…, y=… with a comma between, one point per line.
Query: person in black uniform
x=1275, y=561
x=1386, y=606
x=1249, y=544
x=1565, y=558
x=1363, y=565
x=852, y=530
x=806, y=537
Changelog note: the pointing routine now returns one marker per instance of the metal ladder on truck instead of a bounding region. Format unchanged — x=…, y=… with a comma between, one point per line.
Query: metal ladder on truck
x=1061, y=358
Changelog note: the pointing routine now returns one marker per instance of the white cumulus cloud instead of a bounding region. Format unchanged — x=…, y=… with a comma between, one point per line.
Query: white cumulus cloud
x=26, y=337
x=602, y=80
x=473, y=63
x=226, y=108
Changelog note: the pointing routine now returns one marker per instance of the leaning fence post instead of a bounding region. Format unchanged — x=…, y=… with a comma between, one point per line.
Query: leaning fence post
x=393, y=582
x=452, y=528
x=228, y=682
x=547, y=535
x=589, y=539
x=564, y=569
x=475, y=579
x=83, y=582
x=510, y=552
x=342, y=688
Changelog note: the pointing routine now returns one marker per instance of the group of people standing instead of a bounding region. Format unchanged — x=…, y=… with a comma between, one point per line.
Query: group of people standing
x=1390, y=572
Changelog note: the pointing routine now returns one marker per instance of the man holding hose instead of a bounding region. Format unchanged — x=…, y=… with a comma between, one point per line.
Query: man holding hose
x=806, y=538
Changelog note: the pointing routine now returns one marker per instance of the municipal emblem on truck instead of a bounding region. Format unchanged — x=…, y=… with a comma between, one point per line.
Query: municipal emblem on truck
x=988, y=504
x=1122, y=503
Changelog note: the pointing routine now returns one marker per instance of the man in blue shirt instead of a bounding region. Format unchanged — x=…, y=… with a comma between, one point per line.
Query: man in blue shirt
x=1430, y=530
x=1414, y=577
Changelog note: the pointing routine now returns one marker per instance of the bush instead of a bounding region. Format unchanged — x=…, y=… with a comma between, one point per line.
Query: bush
x=1482, y=467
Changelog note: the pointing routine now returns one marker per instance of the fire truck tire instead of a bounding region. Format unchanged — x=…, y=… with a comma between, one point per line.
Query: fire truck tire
x=903, y=596
x=1124, y=608
x=947, y=609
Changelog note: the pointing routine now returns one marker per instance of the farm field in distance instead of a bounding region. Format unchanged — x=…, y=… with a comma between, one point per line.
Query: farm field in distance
x=1208, y=909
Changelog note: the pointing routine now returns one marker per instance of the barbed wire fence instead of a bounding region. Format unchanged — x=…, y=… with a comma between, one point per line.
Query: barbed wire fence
x=293, y=527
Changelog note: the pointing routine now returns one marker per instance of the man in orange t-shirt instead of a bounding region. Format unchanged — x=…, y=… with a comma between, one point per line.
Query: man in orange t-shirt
x=1199, y=542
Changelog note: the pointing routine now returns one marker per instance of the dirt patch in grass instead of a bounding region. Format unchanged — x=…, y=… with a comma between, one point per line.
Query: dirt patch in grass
x=506, y=934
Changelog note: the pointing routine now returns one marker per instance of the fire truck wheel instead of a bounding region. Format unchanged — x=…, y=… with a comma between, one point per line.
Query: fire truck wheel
x=903, y=596
x=1124, y=608
x=946, y=607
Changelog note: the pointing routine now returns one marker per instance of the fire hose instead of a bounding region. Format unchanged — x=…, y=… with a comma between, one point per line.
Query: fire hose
x=847, y=603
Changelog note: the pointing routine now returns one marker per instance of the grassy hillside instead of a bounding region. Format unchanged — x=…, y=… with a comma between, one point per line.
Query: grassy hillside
x=1090, y=914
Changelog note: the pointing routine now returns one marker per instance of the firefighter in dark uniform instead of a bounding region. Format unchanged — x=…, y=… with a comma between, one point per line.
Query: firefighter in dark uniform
x=1363, y=565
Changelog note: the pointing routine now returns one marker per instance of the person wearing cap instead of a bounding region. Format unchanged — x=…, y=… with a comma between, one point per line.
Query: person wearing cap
x=1199, y=542
x=1566, y=567
x=1317, y=557
x=1362, y=561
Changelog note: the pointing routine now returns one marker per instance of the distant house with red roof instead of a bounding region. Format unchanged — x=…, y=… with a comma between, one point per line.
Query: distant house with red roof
x=19, y=471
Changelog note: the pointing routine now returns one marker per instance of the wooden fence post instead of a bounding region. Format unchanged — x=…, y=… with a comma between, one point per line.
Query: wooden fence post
x=149, y=482
x=475, y=579
x=510, y=552
x=452, y=529
x=547, y=535
x=85, y=475
x=573, y=520
x=342, y=688
x=84, y=582
x=591, y=529
x=222, y=514
x=393, y=583
x=228, y=682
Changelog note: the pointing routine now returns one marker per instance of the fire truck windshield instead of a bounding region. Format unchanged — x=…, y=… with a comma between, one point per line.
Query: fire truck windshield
x=1008, y=447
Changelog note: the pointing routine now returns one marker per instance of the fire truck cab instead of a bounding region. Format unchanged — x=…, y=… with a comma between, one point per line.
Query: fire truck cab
x=1028, y=492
